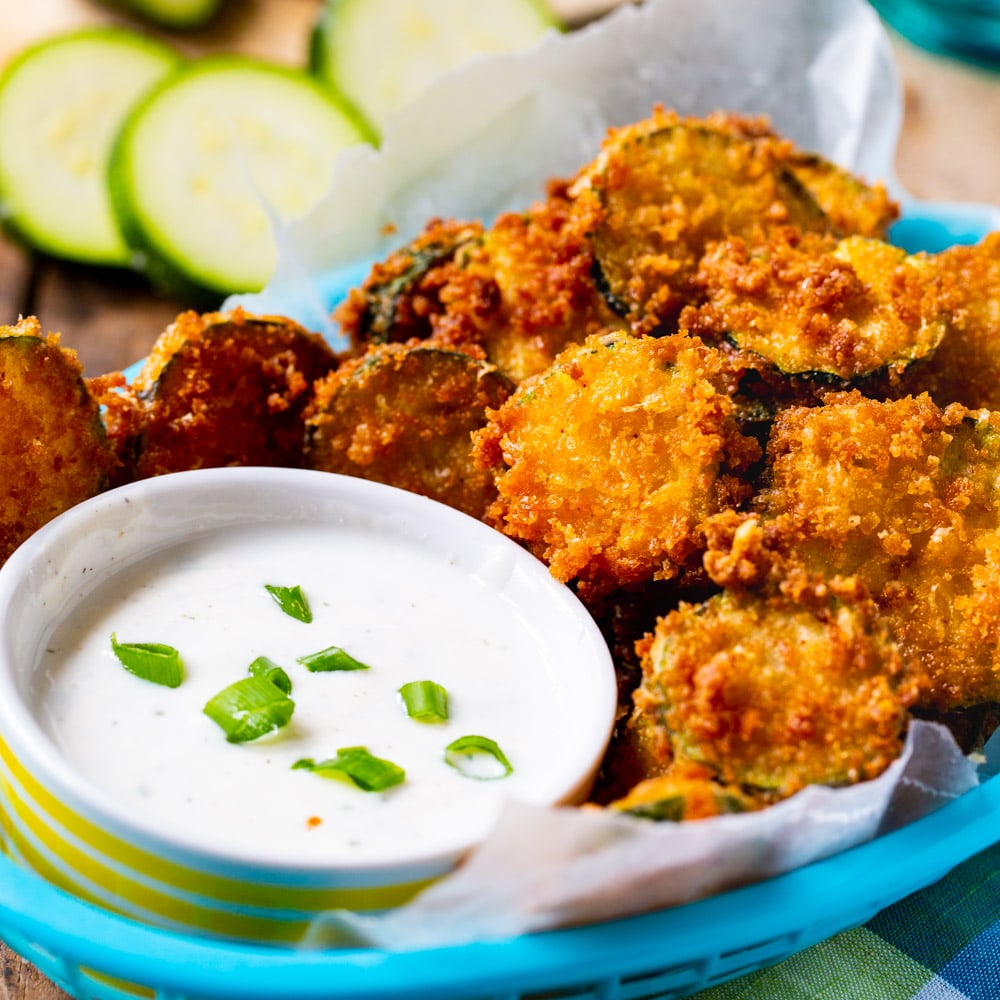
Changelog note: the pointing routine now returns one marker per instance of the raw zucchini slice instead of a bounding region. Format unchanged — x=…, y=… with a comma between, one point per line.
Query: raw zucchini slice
x=227, y=389
x=181, y=14
x=380, y=54
x=664, y=195
x=203, y=154
x=404, y=416
x=62, y=102
x=53, y=451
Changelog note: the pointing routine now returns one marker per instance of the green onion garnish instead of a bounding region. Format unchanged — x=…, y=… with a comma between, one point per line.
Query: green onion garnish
x=265, y=667
x=331, y=658
x=249, y=708
x=477, y=757
x=358, y=766
x=425, y=701
x=152, y=661
x=292, y=601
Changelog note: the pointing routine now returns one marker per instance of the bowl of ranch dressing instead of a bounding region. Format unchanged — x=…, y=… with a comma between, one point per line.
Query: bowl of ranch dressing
x=233, y=699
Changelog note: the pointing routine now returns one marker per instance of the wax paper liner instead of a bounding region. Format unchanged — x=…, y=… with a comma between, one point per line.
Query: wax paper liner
x=485, y=139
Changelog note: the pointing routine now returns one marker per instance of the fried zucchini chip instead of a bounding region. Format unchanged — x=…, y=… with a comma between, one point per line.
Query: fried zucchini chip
x=833, y=311
x=662, y=190
x=966, y=366
x=773, y=695
x=54, y=452
x=683, y=796
x=404, y=294
x=515, y=294
x=404, y=415
x=227, y=389
x=607, y=462
x=903, y=495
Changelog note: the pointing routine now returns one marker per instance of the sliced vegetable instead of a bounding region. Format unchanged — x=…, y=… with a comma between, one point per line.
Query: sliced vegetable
x=54, y=452
x=381, y=54
x=182, y=14
x=267, y=669
x=330, y=659
x=425, y=701
x=226, y=389
x=477, y=757
x=152, y=661
x=403, y=415
x=250, y=708
x=62, y=102
x=204, y=158
x=292, y=601
x=358, y=766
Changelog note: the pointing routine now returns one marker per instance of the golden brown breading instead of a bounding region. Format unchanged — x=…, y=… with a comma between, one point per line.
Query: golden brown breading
x=774, y=695
x=607, y=462
x=686, y=792
x=227, y=389
x=811, y=305
x=403, y=414
x=53, y=451
x=966, y=367
x=902, y=494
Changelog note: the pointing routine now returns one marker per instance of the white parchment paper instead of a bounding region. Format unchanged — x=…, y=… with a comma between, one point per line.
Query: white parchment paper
x=485, y=139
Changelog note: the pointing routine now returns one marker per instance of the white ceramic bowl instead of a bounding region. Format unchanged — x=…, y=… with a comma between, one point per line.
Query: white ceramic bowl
x=69, y=823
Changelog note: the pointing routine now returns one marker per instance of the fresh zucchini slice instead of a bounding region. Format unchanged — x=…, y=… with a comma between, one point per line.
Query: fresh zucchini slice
x=53, y=451
x=227, y=389
x=404, y=416
x=62, y=103
x=381, y=54
x=837, y=311
x=202, y=155
x=664, y=194
x=184, y=15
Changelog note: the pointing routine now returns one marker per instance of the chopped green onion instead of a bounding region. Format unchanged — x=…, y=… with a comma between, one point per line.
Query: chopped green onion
x=359, y=767
x=331, y=658
x=292, y=601
x=265, y=667
x=152, y=661
x=425, y=701
x=249, y=708
x=477, y=757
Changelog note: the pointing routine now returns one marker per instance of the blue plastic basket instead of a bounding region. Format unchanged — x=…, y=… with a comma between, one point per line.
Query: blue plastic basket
x=91, y=953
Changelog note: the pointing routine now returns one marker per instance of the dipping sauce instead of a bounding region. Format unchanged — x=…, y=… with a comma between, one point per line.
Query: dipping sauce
x=391, y=603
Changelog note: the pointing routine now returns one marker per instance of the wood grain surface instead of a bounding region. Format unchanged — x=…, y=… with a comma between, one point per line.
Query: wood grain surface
x=949, y=150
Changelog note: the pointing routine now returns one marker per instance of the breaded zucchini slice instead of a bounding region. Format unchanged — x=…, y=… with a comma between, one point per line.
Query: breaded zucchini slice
x=682, y=797
x=966, y=366
x=853, y=207
x=53, y=451
x=224, y=389
x=659, y=196
x=607, y=462
x=773, y=695
x=401, y=294
x=404, y=415
x=836, y=311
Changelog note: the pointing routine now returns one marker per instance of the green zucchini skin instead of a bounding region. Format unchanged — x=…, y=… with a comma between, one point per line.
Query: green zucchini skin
x=198, y=228
x=57, y=129
x=178, y=15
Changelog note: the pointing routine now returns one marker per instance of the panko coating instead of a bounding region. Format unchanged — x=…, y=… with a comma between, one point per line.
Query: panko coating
x=516, y=293
x=607, y=462
x=223, y=389
x=833, y=310
x=773, y=695
x=662, y=190
x=53, y=452
x=966, y=366
x=404, y=415
x=684, y=793
x=902, y=494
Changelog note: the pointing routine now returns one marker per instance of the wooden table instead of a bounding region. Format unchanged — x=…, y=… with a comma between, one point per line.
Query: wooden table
x=949, y=149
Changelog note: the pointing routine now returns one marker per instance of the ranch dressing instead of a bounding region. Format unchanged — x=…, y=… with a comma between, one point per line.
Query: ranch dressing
x=407, y=613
